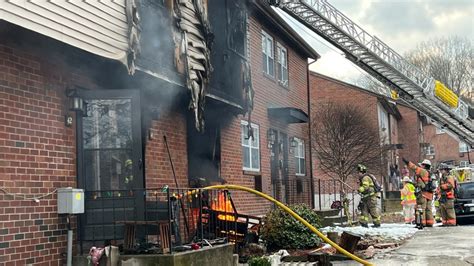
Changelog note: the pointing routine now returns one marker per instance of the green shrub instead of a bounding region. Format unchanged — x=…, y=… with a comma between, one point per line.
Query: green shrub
x=281, y=230
x=259, y=261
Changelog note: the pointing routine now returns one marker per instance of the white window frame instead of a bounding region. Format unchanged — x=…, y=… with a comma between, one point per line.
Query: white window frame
x=463, y=163
x=269, y=53
x=463, y=147
x=430, y=150
x=282, y=52
x=300, y=153
x=256, y=134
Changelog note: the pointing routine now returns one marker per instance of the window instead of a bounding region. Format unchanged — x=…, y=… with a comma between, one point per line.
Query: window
x=282, y=65
x=463, y=164
x=299, y=186
x=463, y=147
x=267, y=53
x=250, y=147
x=299, y=156
x=430, y=150
x=258, y=183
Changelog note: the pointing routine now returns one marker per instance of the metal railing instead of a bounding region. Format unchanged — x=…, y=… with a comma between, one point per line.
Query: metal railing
x=329, y=195
x=143, y=221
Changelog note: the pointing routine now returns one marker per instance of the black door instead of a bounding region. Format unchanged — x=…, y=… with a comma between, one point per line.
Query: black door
x=110, y=162
x=279, y=166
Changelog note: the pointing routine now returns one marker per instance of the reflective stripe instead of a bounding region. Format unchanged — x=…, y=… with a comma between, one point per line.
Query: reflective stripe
x=430, y=222
x=408, y=192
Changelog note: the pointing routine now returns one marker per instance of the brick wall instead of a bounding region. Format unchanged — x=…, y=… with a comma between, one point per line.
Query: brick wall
x=158, y=170
x=409, y=134
x=327, y=90
x=268, y=93
x=37, y=154
x=446, y=147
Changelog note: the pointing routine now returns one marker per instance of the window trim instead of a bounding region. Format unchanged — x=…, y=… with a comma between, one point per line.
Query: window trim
x=272, y=56
x=257, y=127
x=280, y=48
x=429, y=150
x=467, y=148
x=466, y=164
x=297, y=157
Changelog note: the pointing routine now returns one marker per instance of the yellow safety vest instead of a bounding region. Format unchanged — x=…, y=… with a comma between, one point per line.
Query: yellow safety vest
x=408, y=194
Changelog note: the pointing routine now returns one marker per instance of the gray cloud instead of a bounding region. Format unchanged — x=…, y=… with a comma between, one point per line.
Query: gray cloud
x=399, y=17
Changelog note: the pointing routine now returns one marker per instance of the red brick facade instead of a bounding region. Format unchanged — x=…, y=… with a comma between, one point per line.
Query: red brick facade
x=268, y=93
x=38, y=154
x=446, y=148
x=409, y=134
x=326, y=90
x=404, y=130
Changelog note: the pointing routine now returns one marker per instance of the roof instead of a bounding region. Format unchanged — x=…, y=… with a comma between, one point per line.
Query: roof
x=386, y=102
x=280, y=24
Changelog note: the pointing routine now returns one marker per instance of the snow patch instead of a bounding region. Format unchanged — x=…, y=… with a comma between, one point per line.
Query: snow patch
x=386, y=231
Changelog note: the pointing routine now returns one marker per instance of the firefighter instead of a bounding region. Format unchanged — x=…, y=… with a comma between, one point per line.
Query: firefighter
x=423, y=190
x=368, y=202
x=446, y=196
x=408, y=199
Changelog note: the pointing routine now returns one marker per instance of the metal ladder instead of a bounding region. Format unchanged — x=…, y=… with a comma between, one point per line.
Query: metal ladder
x=382, y=62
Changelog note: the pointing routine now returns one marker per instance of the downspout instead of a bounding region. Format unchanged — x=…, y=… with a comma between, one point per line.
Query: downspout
x=311, y=178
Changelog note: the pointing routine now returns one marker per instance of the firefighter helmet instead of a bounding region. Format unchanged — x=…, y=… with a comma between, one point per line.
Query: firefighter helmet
x=361, y=168
x=426, y=162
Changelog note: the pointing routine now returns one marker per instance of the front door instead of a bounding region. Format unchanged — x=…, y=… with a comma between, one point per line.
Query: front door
x=110, y=161
x=279, y=166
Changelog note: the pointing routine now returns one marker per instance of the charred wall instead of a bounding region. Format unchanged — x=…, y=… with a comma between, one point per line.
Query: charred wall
x=228, y=19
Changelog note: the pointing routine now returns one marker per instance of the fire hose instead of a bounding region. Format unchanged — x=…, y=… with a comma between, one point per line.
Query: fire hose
x=292, y=213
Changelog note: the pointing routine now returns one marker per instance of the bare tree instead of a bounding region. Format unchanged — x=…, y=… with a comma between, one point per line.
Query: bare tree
x=342, y=138
x=449, y=60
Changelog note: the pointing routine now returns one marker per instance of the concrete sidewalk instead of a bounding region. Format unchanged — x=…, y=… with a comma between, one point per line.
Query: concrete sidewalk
x=432, y=246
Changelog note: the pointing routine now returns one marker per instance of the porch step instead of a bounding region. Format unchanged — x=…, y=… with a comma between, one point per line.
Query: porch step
x=392, y=205
x=392, y=194
x=327, y=212
x=331, y=220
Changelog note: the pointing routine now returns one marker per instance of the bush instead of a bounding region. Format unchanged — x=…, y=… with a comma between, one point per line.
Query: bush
x=281, y=230
x=259, y=261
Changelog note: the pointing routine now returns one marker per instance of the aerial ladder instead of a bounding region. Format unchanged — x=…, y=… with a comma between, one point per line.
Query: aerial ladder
x=421, y=91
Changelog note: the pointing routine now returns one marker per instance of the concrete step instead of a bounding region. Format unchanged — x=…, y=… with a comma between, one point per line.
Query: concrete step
x=331, y=220
x=327, y=212
x=392, y=194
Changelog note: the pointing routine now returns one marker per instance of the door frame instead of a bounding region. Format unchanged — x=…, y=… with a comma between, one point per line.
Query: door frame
x=137, y=149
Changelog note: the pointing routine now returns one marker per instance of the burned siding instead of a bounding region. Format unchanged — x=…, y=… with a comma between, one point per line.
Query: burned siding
x=194, y=48
x=229, y=55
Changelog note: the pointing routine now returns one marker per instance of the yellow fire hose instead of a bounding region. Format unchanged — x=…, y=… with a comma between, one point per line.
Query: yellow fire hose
x=292, y=213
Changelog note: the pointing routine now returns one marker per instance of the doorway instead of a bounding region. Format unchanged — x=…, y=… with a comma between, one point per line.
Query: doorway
x=110, y=162
x=279, y=166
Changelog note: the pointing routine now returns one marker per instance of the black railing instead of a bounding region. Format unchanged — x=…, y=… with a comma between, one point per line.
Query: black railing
x=329, y=195
x=161, y=220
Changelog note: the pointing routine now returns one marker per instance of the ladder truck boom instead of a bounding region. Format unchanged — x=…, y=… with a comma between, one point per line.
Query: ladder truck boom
x=421, y=91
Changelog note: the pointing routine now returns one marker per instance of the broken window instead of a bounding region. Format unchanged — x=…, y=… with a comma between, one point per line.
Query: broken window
x=300, y=157
x=267, y=53
x=250, y=147
x=282, y=65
